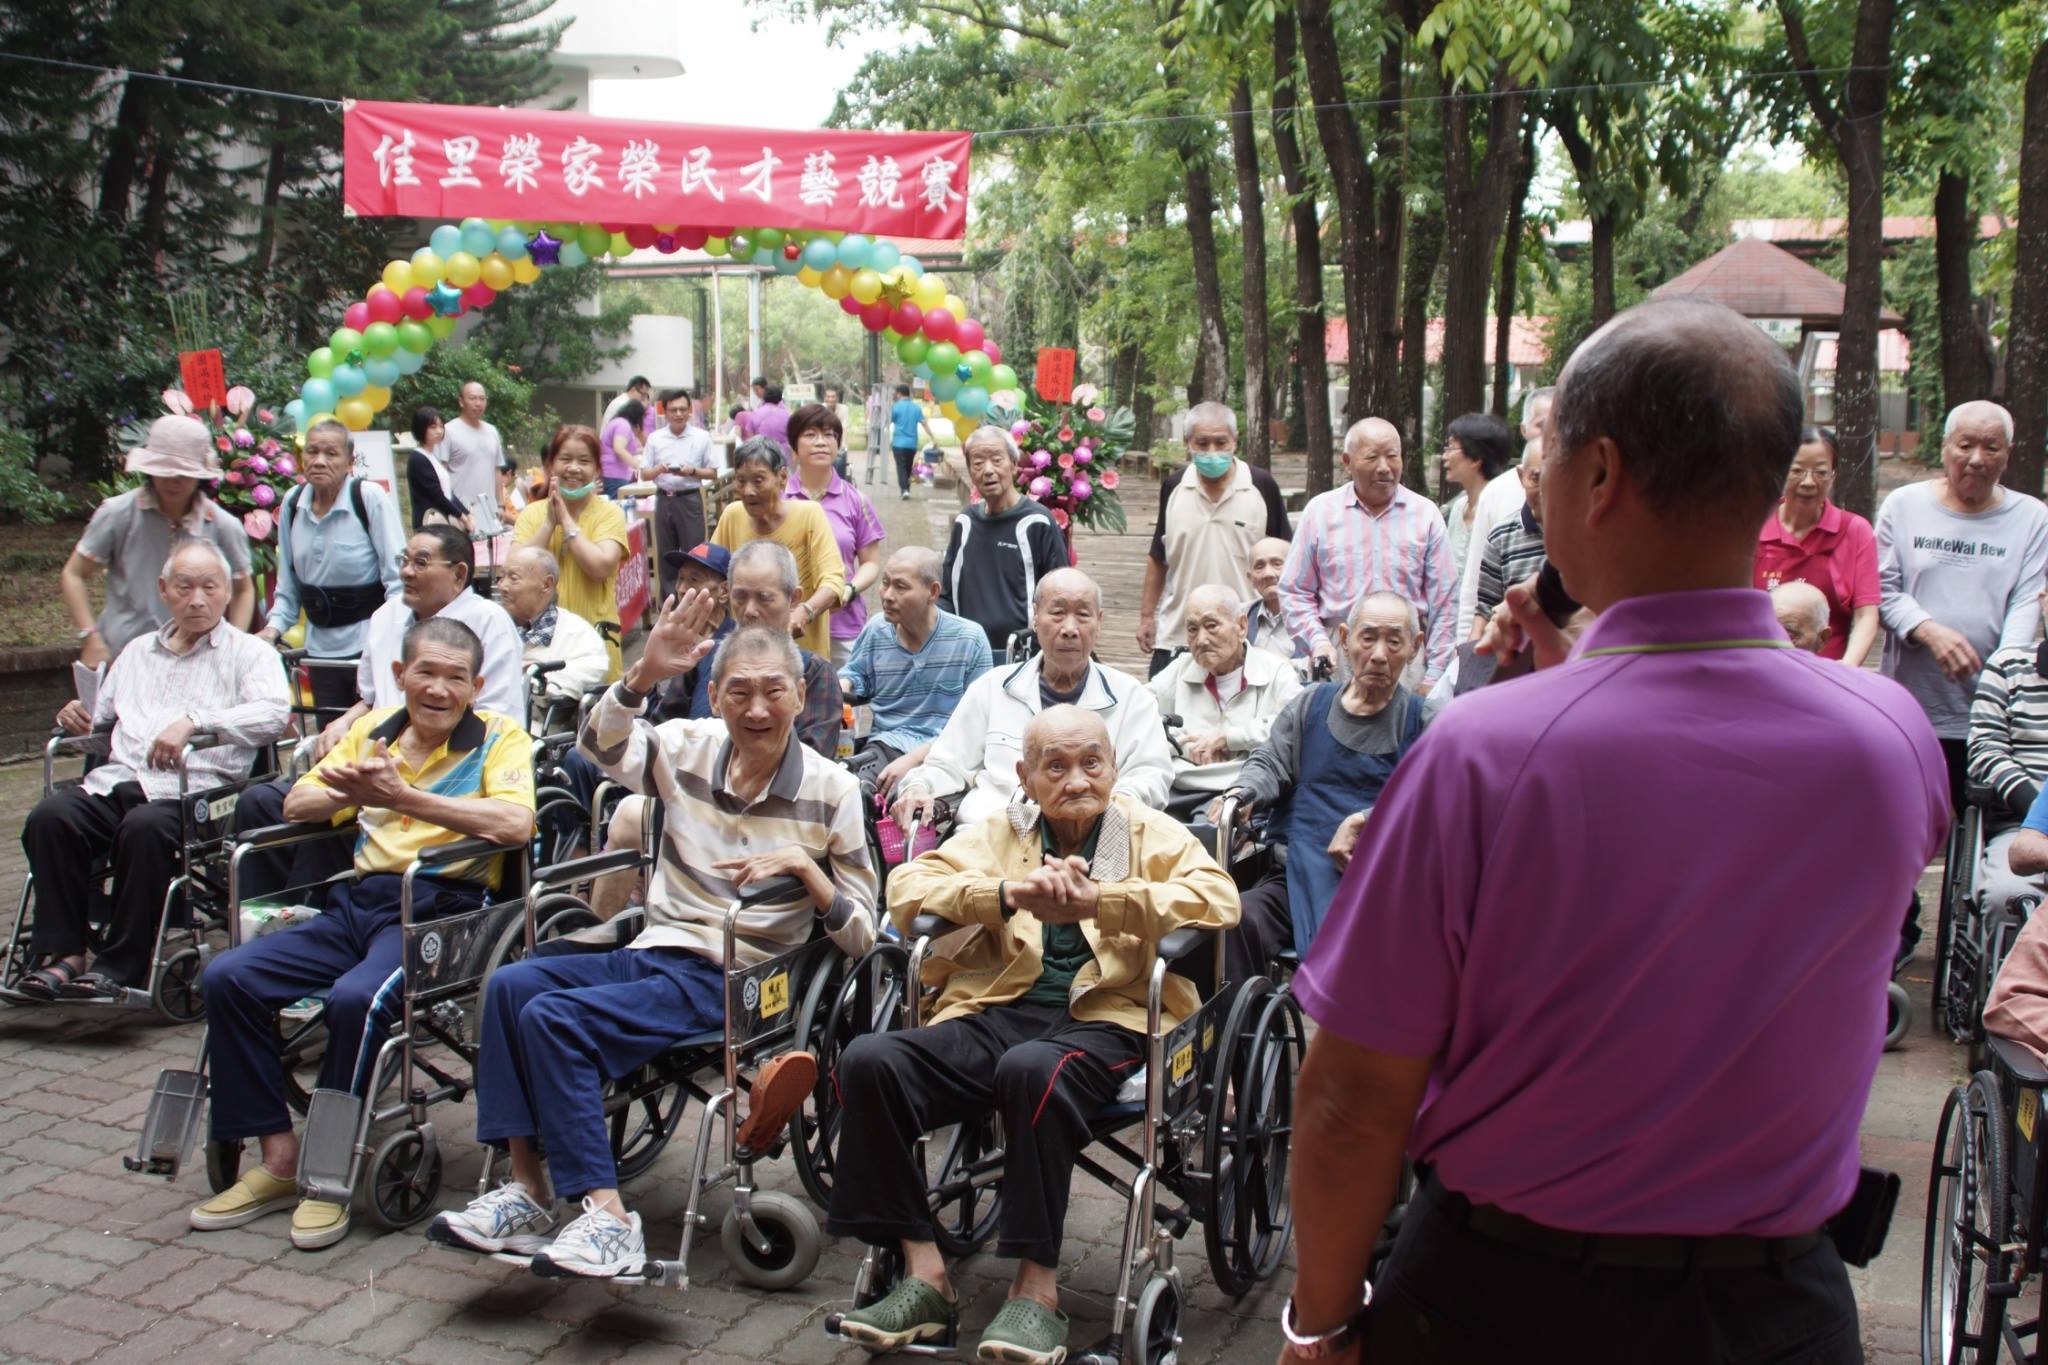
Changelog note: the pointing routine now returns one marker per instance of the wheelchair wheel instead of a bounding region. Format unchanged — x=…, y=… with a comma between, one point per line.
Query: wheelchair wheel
x=223, y=1164
x=1898, y=1015
x=16, y=965
x=839, y=1007
x=405, y=1179
x=1249, y=1222
x=1968, y=1217
x=557, y=915
x=967, y=1188
x=1152, y=1336
x=561, y=826
x=641, y=1115
x=793, y=1242
x=175, y=992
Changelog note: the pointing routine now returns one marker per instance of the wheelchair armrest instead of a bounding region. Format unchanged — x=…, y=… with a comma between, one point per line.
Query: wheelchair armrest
x=589, y=865
x=2018, y=1059
x=930, y=926
x=1185, y=940
x=462, y=850
x=272, y=836
x=545, y=667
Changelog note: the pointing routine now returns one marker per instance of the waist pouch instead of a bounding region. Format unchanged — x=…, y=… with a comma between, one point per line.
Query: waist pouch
x=330, y=607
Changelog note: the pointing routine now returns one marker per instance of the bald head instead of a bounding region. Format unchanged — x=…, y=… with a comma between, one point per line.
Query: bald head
x=921, y=562
x=1068, y=768
x=1802, y=610
x=910, y=594
x=1372, y=457
x=1215, y=627
x=1064, y=725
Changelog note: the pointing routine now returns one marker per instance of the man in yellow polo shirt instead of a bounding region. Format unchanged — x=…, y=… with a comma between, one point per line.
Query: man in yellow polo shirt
x=430, y=772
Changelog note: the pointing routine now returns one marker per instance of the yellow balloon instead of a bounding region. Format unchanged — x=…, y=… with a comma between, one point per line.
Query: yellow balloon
x=398, y=276
x=355, y=414
x=524, y=271
x=950, y=409
x=963, y=427
x=315, y=420
x=427, y=266
x=838, y=280
x=621, y=248
x=496, y=271
x=957, y=306
x=930, y=292
x=461, y=269
x=809, y=277
x=865, y=285
x=377, y=397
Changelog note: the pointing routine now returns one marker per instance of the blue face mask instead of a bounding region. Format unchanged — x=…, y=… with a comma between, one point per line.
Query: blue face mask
x=578, y=494
x=1214, y=466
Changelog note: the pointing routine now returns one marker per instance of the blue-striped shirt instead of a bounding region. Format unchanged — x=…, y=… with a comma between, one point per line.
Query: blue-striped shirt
x=913, y=694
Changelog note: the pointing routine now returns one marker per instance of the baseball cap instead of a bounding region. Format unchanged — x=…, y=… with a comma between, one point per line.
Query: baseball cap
x=716, y=558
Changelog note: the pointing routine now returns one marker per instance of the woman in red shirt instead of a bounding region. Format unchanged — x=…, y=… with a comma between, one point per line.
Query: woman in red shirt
x=1811, y=539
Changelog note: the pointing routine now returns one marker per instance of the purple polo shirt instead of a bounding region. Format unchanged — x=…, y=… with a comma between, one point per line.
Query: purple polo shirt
x=1641, y=907
x=854, y=527
x=770, y=419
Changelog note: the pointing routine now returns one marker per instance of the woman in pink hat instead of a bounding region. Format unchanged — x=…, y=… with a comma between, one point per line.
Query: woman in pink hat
x=131, y=535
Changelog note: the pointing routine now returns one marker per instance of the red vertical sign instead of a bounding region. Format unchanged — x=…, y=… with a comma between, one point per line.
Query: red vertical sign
x=206, y=382
x=1054, y=378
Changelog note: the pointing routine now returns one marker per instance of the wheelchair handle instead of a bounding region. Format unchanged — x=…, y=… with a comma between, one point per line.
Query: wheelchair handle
x=545, y=667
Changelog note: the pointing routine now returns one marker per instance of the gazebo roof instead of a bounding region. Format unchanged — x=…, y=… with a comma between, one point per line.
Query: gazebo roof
x=1759, y=280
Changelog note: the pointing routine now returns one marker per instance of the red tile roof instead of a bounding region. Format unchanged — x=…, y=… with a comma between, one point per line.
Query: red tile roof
x=1760, y=280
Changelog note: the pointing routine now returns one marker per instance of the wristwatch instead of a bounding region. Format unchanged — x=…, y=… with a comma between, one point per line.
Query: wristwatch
x=1325, y=1344
x=571, y=534
x=845, y=592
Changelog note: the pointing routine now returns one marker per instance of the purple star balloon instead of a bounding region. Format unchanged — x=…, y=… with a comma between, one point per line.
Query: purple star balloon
x=544, y=249
x=446, y=300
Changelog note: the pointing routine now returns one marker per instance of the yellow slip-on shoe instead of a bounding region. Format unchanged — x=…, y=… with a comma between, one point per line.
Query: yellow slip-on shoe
x=317, y=1223
x=258, y=1192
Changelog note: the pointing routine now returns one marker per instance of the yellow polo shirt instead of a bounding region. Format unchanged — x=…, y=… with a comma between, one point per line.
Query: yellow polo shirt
x=488, y=756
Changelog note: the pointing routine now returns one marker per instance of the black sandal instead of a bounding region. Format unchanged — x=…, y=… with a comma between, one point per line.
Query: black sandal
x=94, y=986
x=50, y=980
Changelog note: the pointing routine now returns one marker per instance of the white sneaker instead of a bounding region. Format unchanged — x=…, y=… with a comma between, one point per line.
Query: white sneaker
x=598, y=1245
x=505, y=1219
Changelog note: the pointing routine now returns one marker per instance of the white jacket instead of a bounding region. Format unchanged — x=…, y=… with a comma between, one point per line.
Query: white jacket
x=978, y=751
x=1182, y=689
x=578, y=643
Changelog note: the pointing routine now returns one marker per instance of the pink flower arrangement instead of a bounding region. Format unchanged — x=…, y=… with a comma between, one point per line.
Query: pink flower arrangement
x=258, y=468
x=1068, y=459
x=1041, y=487
x=1066, y=462
x=1096, y=414
x=1081, y=489
x=1109, y=479
x=263, y=495
x=259, y=524
x=242, y=438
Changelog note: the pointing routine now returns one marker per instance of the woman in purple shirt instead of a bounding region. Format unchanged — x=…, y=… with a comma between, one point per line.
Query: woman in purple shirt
x=814, y=436
x=619, y=446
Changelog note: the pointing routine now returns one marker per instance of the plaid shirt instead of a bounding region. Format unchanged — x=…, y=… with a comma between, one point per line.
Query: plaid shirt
x=1342, y=551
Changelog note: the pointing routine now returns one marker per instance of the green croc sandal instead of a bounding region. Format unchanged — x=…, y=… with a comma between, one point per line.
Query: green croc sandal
x=911, y=1312
x=1025, y=1332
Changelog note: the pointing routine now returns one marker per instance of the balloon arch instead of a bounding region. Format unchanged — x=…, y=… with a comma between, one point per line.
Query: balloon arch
x=820, y=213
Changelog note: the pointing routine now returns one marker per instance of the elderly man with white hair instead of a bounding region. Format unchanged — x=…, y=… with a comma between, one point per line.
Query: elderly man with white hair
x=1002, y=546
x=1960, y=563
x=1371, y=535
x=548, y=631
x=1225, y=693
x=1802, y=610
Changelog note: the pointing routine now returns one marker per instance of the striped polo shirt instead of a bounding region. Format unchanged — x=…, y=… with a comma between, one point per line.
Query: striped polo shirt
x=1513, y=551
x=2009, y=727
x=913, y=694
x=811, y=803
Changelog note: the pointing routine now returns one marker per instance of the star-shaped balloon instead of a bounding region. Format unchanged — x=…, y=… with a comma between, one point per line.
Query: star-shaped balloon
x=544, y=249
x=446, y=299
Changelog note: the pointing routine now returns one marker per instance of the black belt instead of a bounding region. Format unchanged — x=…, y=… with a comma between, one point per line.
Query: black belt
x=343, y=606
x=1634, y=1252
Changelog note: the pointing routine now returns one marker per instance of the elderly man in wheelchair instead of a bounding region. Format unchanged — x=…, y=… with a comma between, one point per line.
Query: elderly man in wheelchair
x=745, y=806
x=196, y=679
x=412, y=777
x=1041, y=1015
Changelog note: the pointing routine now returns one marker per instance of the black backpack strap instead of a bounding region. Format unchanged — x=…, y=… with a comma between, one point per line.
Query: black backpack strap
x=355, y=499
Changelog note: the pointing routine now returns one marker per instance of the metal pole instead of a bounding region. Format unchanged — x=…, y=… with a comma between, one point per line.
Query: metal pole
x=717, y=352
x=754, y=370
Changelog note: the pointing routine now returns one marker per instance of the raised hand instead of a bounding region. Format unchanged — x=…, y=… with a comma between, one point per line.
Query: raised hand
x=675, y=643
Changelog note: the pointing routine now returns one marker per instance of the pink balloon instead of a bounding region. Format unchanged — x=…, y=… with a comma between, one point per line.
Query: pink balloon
x=992, y=351
x=967, y=335
x=414, y=305
x=851, y=305
x=384, y=305
x=666, y=244
x=356, y=315
x=479, y=295
x=938, y=325
x=875, y=316
x=907, y=317
x=692, y=238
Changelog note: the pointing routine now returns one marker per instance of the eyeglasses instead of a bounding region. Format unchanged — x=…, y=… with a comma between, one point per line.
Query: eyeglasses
x=419, y=563
x=1819, y=473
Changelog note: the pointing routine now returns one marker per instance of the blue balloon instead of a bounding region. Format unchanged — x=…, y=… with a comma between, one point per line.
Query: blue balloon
x=883, y=256
x=446, y=240
x=382, y=371
x=964, y=370
x=296, y=410
x=763, y=256
x=911, y=267
x=944, y=386
x=478, y=239
x=512, y=244
x=972, y=400
x=408, y=362
x=784, y=265
x=922, y=370
x=820, y=254
x=854, y=250
x=572, y=255
x=349, y=380
x=318, y=395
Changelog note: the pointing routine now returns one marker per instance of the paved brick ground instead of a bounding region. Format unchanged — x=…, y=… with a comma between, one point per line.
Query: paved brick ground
x=96, y=1263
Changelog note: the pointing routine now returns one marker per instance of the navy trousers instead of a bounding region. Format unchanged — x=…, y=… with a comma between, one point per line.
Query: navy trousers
x=353, y=952
x=556, y=1027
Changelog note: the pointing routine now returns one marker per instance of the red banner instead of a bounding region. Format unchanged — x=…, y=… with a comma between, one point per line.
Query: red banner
x=206, y=382
x=634, y=591
x=1055, y=374
x=458, y=161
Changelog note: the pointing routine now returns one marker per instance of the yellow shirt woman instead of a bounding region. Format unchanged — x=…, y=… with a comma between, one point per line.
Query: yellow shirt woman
x=595, y=600
x=806, y=534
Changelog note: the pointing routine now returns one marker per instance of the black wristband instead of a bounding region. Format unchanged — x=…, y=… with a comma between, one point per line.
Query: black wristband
x=627, y=696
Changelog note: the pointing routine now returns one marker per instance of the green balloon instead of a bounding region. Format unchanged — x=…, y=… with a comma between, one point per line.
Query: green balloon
x=379, y=339
x=740, y=244
x=441, y=327
x=320, y=363
x=714, y=246
x=594, y=239
x=981, y=369
x=345, y=342
x=770, y=238
x=414, y=336
x=1001, y=377
x=911, y=350
x=942, y=356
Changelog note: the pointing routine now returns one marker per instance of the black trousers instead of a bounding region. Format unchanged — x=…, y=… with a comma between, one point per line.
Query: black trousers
x=295, y=866
x=1044, y=1072
x=678, y=528
x=1450, y=1295
x=66, y=833
x=906, y=456
x=334, y=688
x=1160, y=659
x=1264, y=926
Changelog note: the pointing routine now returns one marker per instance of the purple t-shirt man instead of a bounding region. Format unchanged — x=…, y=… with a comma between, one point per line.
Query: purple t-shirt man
x=1642, y=907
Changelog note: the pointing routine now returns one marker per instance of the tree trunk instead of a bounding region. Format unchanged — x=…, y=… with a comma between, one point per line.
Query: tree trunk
x=1251, y=215
x=1965, y=350
x=1352, y=177
x=1598, y=211
x=1475, y=207
x=156, y=206
x=1425, y=251
x=1310, y=362
x=1510, y=261
x=1212, y=347
x=267, y=212
x=124, y=152
x=2026, y=347
x=1389, y=153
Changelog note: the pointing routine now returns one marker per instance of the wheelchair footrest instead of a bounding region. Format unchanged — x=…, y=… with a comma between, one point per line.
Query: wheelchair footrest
x=170, y=1126
x=942, y=1349
x=327, y=1154
x=1108, y=1351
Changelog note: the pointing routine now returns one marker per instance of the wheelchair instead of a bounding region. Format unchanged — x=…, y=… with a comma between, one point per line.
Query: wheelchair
x=194, y=915
x=1972, y=936
x=565, y=821
x=427, y=1055
x=810, y=997
x=1206, y=1128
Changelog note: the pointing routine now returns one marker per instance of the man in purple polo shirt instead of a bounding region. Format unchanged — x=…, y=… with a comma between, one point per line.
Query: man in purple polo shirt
x=1579, y=967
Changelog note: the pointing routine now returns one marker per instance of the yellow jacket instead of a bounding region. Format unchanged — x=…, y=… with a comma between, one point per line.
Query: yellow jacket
x=1152, y=877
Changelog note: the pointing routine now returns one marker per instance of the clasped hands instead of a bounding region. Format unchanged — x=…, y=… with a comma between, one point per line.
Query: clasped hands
x=371, y=780
x=1057, y=892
